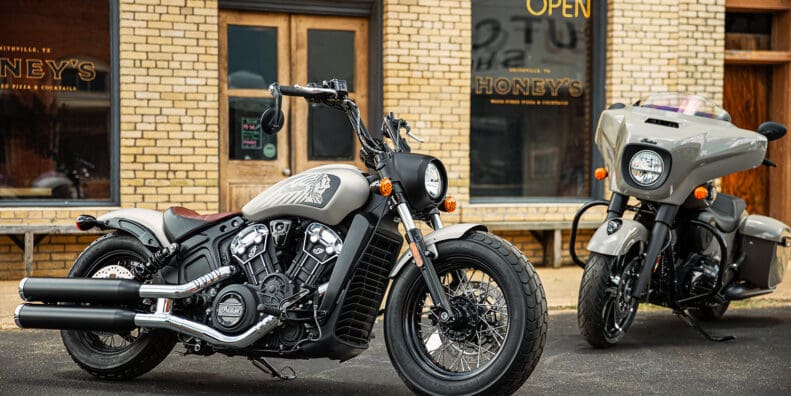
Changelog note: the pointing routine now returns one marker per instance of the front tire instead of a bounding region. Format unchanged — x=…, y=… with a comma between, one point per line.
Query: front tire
x=501, y=328
x=605, y=308
x=106, y=355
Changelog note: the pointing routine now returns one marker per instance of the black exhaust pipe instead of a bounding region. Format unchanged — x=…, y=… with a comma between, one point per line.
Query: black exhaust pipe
x=105, y=291
x=29, y=316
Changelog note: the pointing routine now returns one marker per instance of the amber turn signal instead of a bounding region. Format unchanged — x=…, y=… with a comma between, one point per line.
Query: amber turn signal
x=701, y=193
x=385, y=187
x=600, y=173
x=450, y=204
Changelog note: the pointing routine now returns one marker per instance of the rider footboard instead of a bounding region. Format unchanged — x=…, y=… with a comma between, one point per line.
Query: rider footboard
x=764, y=242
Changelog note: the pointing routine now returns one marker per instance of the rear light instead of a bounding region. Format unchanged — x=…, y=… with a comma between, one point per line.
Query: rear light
x=85, y=222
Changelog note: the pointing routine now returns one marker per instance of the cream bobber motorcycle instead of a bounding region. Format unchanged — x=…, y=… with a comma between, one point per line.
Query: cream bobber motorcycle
x=684, y=246
x=301, y=272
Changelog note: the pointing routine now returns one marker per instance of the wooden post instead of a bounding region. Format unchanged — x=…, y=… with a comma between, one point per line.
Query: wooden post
x=780, y=100
x=552, y=246
x=29, y=254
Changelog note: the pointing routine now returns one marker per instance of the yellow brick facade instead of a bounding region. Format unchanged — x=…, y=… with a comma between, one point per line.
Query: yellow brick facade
x=169, y=101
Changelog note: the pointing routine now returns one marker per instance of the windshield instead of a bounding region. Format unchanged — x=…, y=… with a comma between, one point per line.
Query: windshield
x=685, y=104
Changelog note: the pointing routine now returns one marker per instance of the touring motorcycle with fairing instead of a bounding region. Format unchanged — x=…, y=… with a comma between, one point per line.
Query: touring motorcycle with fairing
x=302, y=271
x=687, y=247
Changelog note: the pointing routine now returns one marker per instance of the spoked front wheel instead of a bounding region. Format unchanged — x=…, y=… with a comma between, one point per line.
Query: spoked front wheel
x=498, y=334
x=606, y=308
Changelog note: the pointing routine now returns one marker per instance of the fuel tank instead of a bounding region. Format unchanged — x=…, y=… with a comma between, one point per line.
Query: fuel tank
x=695, y=150
x=326, y=194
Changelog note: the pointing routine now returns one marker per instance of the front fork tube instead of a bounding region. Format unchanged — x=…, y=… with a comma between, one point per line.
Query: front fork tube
x=418, y=248
x=659, y=235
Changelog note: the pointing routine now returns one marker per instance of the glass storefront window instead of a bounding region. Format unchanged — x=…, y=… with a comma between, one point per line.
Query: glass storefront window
x=55, y=101
x=246, y=140
x=530, y=99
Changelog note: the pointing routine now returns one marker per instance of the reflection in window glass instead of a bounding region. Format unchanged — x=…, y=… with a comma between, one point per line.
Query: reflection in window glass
x=330, y=135
x=530, y=100
x=331, y=55
x=246, y=140
x=54, y=97
x=252, y=56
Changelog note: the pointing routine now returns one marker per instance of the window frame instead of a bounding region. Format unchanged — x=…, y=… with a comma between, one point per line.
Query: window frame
x=598, y=102
x=115, y=132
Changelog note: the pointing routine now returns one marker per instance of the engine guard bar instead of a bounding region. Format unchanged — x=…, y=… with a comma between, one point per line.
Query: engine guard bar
x=720, y=274
x=575, y=224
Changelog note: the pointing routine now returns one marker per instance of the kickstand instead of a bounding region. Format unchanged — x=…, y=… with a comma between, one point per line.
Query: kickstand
x=694, y=324
x=264, y=366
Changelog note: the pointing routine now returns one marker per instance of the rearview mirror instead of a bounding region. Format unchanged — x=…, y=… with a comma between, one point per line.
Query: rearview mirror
x=772, y=130
x=271, y=121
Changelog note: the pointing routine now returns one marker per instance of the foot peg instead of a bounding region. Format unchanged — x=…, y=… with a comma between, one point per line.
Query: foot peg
x=264, y=366
x=690, y=321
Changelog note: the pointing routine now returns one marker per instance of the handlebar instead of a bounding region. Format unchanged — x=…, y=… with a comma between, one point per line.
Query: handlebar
x=307, y=92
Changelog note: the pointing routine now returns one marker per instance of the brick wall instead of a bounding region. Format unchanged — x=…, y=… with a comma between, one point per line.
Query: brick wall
x=169, y=104
x=663, y=45
x=169, y=101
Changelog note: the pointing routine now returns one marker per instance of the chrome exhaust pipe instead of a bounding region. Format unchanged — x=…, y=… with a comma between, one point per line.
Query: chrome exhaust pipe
x=206, y=333
x=113, y=291
x=27, y=316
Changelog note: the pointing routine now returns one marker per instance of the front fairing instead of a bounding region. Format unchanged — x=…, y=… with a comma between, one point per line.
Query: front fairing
x=698, y=150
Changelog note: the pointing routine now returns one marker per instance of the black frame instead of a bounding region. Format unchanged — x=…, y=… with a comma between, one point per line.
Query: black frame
x=598, y=104
x=355, y=8
x=115, y=132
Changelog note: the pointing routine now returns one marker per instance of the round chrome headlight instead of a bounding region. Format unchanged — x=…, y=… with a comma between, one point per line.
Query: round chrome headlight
x=646, y=167
x=433, y=181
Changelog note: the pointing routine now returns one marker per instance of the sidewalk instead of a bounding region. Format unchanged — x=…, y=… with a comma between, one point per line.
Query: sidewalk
x=560, y=284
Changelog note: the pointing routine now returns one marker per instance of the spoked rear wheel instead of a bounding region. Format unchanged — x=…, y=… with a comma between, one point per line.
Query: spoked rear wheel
x=606, y=308
x=111, y=355
x=498, y=335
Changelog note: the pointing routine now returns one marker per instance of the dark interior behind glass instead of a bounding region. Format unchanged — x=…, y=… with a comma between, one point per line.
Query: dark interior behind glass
x=55, y=100
x=530, y=101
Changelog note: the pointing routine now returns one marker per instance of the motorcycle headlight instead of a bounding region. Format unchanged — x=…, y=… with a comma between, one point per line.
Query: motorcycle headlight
x=646, y=167
x=433, y=181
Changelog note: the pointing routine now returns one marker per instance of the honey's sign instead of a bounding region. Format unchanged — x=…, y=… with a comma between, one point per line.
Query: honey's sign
x=32, y=64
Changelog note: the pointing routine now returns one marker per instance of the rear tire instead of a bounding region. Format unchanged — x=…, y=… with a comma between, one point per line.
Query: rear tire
x=603, y=319
x=136, y=352
x=505, y=320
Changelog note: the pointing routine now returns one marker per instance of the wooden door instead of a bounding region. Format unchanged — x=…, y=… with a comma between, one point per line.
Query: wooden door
x=254, y=52
x=746, y=97
x=257, y=49
x=325, y=48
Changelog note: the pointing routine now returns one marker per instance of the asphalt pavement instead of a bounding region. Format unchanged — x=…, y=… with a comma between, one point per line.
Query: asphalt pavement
x=660, y=355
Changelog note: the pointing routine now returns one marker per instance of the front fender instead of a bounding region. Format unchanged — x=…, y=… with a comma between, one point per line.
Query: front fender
x=619, y=242
x=455, y=231
x=144, y=224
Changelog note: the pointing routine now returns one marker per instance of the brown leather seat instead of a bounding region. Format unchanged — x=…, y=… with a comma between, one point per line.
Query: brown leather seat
x=179, y=222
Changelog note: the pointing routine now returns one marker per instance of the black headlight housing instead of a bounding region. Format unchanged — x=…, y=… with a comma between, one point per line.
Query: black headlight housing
x=411, y=170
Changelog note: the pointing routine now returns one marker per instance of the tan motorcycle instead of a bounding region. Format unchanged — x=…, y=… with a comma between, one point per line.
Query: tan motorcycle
x=685, y=246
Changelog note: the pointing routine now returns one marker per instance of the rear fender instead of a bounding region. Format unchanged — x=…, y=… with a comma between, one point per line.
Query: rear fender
x=619, y=242
x=144, y=224
x=455, y=231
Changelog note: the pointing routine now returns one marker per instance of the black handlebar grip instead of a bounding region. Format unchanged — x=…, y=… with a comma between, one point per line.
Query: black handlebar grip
x=291, y=90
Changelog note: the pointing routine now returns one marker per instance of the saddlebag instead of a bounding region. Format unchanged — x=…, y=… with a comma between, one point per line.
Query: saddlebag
x=764, y=242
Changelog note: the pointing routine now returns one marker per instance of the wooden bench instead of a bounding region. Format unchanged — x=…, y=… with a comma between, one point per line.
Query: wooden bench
x=28, y=236
x=547, y=233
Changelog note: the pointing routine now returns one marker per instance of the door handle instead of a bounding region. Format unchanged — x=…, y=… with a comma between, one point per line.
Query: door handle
x=286, y=172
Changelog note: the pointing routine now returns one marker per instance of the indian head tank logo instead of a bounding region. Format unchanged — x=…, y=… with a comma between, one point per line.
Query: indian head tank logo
x=311, y=189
